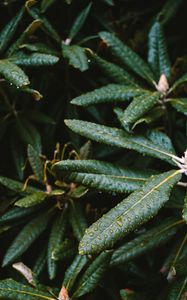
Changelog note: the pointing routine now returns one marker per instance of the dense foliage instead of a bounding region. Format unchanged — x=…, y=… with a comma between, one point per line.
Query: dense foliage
x=93, y=150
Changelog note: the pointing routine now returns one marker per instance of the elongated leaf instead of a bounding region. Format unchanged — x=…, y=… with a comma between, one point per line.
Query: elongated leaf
x=184, y=212
x=23, y=37
x=138, y=107
x=45, y=24
x=55, y=238
x=13, y=73
x=102, y=175
x=157, y=55
x=180, y=105
x=79, y=21
x=31, y=200
x=35, y=162
x=178, y=290
x=10, y=289
x=67, y=249
x=152, y=239
x=34, y=60
x=26, y=237
x=109, y=93
x=16, y=213
x=155, y=143
x=40, y=262
x=9, y=30
x=76, y=56
x=169, y=10
x=113, y=71
x=45, y=4
x=15, y=186
x=77, y=220
x=181, y=80
x=73, y=271
x=127, y=56
x=93, y=274
x=128, y=215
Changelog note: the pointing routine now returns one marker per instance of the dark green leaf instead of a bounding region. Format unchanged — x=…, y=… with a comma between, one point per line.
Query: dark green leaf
x=127, y=56
x=128, y=215
x=76, y=56
x=155, y=143
x=109, y=93
x=13, y=73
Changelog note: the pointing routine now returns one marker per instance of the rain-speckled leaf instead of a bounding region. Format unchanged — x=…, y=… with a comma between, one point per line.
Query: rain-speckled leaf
x=184, y=212
x=30, y=232
x=31, y=200
x=34, y=60
x=55, y=238
x=73, y=271
x=93, y=275
x=127, y=56
x=76, y=56
x=145, y=242
x=138, y=107
x=109, y=93
x=12, y=290
x=154, y=143
x=102, y=176
x=128, y=215
x=13, y=73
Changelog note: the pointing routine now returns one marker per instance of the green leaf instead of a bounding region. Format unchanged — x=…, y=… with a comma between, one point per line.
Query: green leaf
x=178, y=82
x=154, y=143
x=13, y=73
x=180, y=104
x=31, y=200
x=67, y=249
x=109, y=93
x=93, y=275
x=35, y=162
x=157, y=55
x=178, y=290
x=184, y=212
x=34, y=60
x=16, y=186
x=76, y=56
x=56, y=236
x=26, y=237
x=113, y=71
x=145, y=242
x=102, y=176
x=77, y=220
x=45, y=24
x=10, y=289
x=79, y=21
x=40, y=263
x=128, y=215
x=28, y=133
x=23, y=37
x=9, y=30
x=138, y=107
x=127, y=56
x=73, y=271
x=169, y=10
x=15, y=214
x=45, y=4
